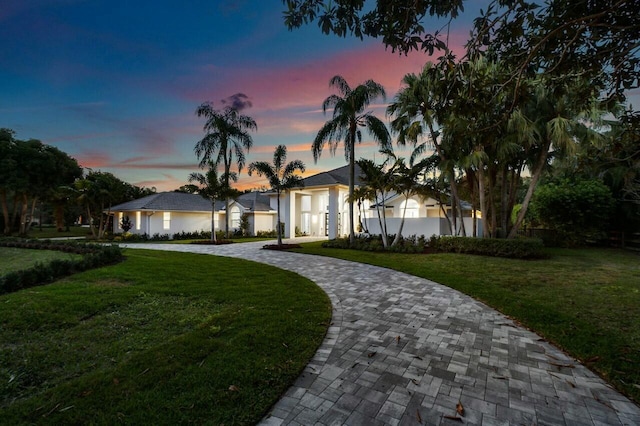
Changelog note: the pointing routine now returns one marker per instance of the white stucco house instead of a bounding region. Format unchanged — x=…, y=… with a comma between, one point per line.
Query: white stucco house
x=166, y=213
x=319, y=208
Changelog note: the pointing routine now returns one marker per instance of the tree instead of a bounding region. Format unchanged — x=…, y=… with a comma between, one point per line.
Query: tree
x=377, y=178
x=212, y=188
x=349, y=116
x=30, y=172
x=399, y=23
x=281, y=176
x=227, y=134
x=423, y=108
x=578, y=209
x=97, y=192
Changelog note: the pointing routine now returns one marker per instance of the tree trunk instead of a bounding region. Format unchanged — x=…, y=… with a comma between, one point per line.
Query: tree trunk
x=90, y=219
x=535, y=177
x=59, y=214
x=279, y=228
x=504, y=219
x=5, y=213
x=352, y=177
x=33, y=209
x=23, y=215
x=483, y=203
x=396, y=240
x=213, y=220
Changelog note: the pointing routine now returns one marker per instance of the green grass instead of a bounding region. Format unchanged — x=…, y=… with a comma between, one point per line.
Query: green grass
x=162, y=338
x=14, y=259
x=52, y=232
x=587, y=301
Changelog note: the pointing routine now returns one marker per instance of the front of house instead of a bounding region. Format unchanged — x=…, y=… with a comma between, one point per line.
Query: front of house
x=320, y=208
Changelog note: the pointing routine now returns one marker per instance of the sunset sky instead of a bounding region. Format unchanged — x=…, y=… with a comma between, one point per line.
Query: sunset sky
x=115, y=84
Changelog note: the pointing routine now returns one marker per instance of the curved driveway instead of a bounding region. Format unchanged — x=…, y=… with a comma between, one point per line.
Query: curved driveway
x=406, y=350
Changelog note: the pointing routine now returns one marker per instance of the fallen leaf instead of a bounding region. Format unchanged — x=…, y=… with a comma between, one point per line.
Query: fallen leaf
x=460, y=408
x=398, y=339
x=234, y=388
x=417, y=357
x=593, y=359
x=570, y=384
x=371, y=354
x=500, y=377
x=456, y=418
x=418, y=416
x=415, y=382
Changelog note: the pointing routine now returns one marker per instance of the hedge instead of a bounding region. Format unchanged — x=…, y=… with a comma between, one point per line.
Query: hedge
x=520, y=248
x=94, y=256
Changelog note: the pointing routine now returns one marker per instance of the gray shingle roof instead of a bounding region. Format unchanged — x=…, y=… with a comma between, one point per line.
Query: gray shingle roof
x=339, y=176
x=169, y=201
x=254, y=201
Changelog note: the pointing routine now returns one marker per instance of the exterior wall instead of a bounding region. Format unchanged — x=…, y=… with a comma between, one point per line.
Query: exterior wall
x=426, y=226
x=153, y=222
x=262, y=222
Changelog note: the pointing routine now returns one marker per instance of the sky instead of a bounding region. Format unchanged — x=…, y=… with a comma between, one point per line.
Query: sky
x=115, y=84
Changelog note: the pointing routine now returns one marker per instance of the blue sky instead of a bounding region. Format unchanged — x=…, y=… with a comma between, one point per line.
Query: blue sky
x=115, y=84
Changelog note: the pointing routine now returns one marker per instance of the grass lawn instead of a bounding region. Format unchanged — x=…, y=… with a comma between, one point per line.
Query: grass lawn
x=162, y=338
x=14, y=259
x=51, y=232
x=586, y=301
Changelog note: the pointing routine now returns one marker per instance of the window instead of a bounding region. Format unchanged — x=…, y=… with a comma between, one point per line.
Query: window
x=412, y=208
x=166, y=220
x=138, y=220
x=235, y=217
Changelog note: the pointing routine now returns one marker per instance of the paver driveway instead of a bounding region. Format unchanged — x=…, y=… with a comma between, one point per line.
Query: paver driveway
x=405, y=350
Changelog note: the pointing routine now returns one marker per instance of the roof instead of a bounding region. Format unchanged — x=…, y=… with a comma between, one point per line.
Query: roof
x=254, y=201
x=169, y=201
x=339, y=176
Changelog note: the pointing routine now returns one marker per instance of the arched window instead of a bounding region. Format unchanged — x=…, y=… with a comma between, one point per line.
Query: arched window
x=413, y=208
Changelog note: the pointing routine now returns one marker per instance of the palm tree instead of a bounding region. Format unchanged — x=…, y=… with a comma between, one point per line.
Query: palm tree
x=227, y=133
x=378, y=180
x=349, y=116
x=213, y=188
x=281, y=176
x=421, y=107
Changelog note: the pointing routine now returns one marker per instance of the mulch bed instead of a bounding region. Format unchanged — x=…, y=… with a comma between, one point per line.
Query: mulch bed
x=281, y=246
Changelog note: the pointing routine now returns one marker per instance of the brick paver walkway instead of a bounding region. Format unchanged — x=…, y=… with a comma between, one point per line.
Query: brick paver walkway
x=405, y=350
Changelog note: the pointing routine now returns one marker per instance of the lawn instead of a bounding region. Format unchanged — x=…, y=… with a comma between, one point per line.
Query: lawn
x=162, y=338
x=52, y=232
x=586, y=301
x=13, y=259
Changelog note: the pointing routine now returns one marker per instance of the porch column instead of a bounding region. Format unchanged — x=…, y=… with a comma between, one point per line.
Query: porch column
x=334, y=202
x=290, y=218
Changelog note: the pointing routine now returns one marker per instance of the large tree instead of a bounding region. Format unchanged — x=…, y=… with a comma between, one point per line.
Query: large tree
x=281, y=176
x=97, y=192
x=400, y=24
x=227, y=134
x=349, y=116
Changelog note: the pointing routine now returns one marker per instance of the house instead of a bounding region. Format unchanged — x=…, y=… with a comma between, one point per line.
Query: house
x=256, y=205
x=321, y=208
x=175, y=212
x=167, y=213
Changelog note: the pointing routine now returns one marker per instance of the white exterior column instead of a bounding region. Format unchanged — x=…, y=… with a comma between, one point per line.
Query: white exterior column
x=334, y=208
x=290, y=219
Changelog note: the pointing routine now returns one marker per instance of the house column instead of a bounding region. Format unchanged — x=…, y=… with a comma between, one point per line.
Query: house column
x=290, y=219
x=334, y=202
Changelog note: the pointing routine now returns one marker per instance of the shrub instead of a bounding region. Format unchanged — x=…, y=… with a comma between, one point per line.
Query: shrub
x=267, y=234
x=521, y=248
x=94, y=256
x=410, y=244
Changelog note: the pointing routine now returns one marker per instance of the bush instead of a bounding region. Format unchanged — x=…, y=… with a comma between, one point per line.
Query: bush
x=94, y=256
x=267, y=234
x=410, y=244
x=521, y=248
